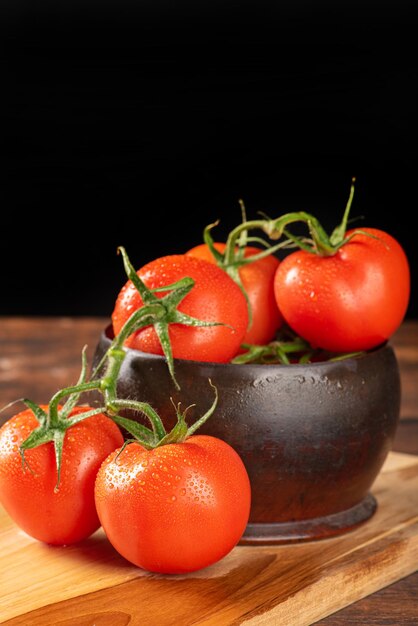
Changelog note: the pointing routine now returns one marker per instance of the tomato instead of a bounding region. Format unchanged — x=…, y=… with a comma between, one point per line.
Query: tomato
x=353, y=300
x=29, y=495
x=258, y=281
x=214, y=298
x=176, y=508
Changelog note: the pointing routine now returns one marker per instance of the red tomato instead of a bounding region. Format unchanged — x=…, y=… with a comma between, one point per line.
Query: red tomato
x=353, y=300
x=176, y=508
x=29, y=496
x=214, y=298
x=258, y=281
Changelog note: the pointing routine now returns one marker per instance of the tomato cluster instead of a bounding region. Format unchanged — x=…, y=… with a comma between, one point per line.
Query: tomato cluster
x=350, y=301
x=176, y=508
x=176, y=502
x=343, y=293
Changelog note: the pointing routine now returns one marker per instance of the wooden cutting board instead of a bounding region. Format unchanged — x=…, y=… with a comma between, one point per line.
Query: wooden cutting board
x=295, y=585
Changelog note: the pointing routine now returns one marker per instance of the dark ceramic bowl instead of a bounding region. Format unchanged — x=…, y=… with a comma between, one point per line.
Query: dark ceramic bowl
x=312, y=437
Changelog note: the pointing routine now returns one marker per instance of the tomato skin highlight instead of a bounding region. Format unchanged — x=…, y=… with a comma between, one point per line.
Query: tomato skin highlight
x=352, y=301
x=177, y=508
x=214, y=298
x=258, y=281
x=29, y=496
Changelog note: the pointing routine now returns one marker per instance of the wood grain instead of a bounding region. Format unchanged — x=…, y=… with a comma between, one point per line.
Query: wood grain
x=40, y=355
x=405, y=343
x=299, y=584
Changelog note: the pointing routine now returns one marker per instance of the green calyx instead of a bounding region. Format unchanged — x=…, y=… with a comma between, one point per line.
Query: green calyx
x=179, y=433
x=158, y=312
x=54, y=423
x=319, y=242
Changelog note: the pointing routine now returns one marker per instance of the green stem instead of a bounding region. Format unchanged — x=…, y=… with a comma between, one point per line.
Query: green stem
x=145, y=316
x=73, y=399
x=260, y=255
x=338, y=234
x=146, y=295
x=79, y=417
x=142, y=434
x=323, y=244
x=54, y=419
x=108, y=383
x=276, y=228
x=243, y=238
x=145, y=408
x=231, y=242
x=194, y=427
x=115, y=354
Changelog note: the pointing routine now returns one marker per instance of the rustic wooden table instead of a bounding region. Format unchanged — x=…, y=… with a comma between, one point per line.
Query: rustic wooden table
x=38, y=356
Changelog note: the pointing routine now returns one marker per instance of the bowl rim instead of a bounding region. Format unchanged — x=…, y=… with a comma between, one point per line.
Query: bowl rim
x=107, y=335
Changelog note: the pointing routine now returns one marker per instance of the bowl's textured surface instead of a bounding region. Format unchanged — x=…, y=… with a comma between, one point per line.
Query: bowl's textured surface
x=312, y=437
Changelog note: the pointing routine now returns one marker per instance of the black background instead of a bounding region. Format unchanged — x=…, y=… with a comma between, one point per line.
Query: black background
x=136, y=124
